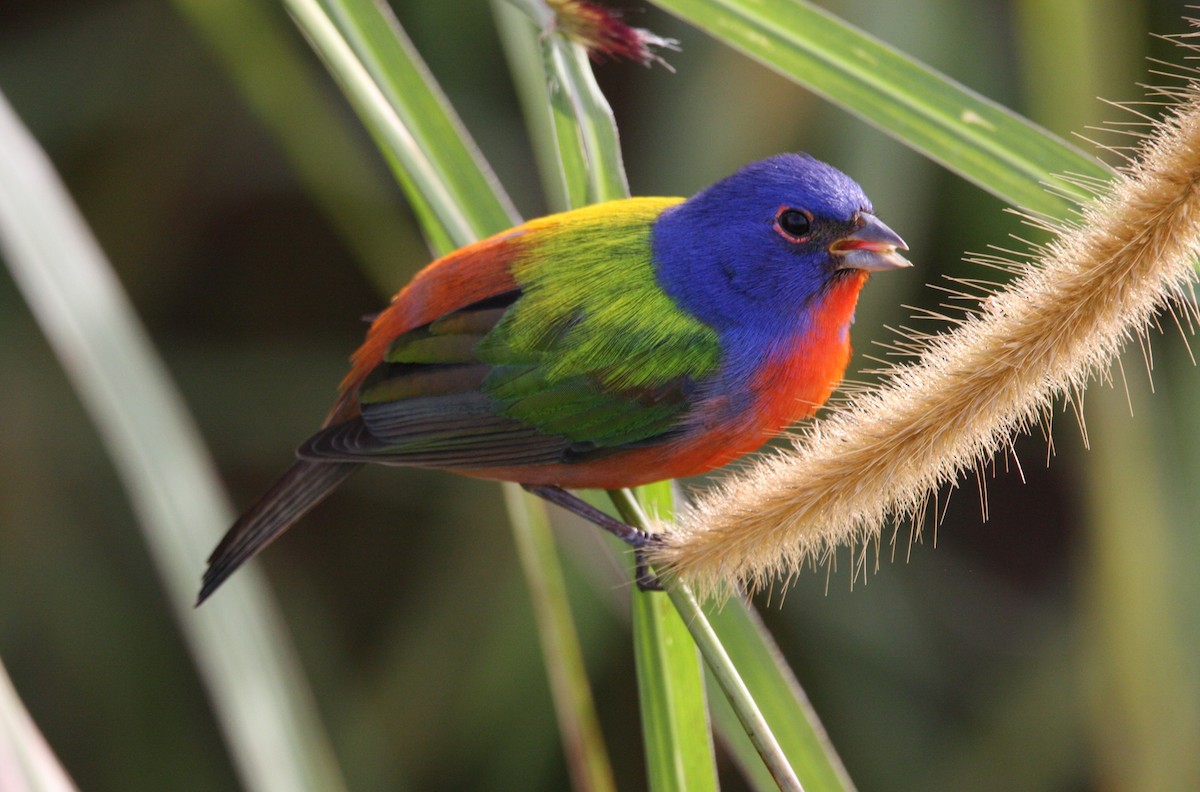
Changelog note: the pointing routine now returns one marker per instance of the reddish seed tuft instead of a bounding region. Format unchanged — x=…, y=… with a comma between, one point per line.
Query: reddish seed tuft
x=602, y=33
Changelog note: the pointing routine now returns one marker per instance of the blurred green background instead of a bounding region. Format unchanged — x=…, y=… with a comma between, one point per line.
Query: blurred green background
x=1050, y=647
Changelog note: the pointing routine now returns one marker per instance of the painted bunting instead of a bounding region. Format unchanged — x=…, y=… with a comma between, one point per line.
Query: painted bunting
x=622, y=343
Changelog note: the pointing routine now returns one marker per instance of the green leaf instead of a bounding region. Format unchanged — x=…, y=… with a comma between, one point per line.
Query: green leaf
x=666, y=676
x=675, y=725
x=975, y=137
x=587, y=758
x=29, y=765
x=445, y=178
x=238, y=640
x=675, y=730
x=745, y=708
x=283, y=88
x=782, y=702
x=586, y=146
x=523, y=50
x=729, y=679
x=587, y=167
x=582, y=114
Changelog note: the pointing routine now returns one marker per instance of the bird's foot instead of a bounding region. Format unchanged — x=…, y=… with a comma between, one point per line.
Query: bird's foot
x=646, y=578
x=636, y=538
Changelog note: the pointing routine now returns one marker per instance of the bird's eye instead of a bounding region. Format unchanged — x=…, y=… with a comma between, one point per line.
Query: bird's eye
x=793, y=224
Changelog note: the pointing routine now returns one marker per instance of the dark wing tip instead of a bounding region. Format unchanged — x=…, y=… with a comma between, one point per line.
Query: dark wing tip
x=304, y=486
x=213, y=578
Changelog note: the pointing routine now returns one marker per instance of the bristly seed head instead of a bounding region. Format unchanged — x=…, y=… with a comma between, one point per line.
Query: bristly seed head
x=885, y=452
x=605, y=37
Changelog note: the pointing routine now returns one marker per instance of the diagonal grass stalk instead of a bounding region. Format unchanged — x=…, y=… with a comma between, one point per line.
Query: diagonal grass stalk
x=587, y=164
x=981, y=140
x=239, y=643
x=27, y=763
x=269, y=68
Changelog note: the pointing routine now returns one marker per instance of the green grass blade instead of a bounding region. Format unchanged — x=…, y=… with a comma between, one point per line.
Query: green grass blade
x=782, y=702
x=445, y=179
x=753, y=650
x=675, y=729
x=675, y=724
x=380, y=43
x=679, y=753
x=587, y=167
x=280, y=85
x=569, y=143
x=523, y=49
x=27, y=764
x=583, y=742
x=586, y=143
x=240, y=645
x=734, y=740
x=975, y=137
x=581, y=170
x=736, y=692
x=582, y=113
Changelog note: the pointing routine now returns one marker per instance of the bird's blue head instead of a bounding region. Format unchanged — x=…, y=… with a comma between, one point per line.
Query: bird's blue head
x=756, y=247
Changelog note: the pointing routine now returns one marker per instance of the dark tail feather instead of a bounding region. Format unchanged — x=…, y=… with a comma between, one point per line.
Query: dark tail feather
x=301, y=488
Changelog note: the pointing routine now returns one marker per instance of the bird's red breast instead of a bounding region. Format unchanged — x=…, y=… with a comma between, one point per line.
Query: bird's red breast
x=802, y=372
x=796, y=378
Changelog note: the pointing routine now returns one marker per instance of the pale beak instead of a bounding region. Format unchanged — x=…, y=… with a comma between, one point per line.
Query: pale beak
x=872, y=247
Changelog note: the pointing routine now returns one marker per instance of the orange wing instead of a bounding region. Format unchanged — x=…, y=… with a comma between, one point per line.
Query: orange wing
x=466, y=276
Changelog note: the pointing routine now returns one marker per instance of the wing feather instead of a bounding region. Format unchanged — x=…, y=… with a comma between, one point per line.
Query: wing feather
x=586, y=357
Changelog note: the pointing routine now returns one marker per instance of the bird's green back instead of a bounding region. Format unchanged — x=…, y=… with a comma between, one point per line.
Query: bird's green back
x=594, y=349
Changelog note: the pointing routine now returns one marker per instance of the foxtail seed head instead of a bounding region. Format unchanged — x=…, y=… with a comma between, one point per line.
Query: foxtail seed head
x=888, y=449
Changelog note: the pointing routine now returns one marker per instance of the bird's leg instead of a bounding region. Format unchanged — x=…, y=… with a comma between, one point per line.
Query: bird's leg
x=634, y=537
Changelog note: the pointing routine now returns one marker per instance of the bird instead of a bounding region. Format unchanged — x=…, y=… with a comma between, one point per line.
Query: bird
x=609, y=346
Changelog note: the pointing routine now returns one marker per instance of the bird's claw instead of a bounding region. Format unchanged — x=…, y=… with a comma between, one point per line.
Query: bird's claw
x=646, y=578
